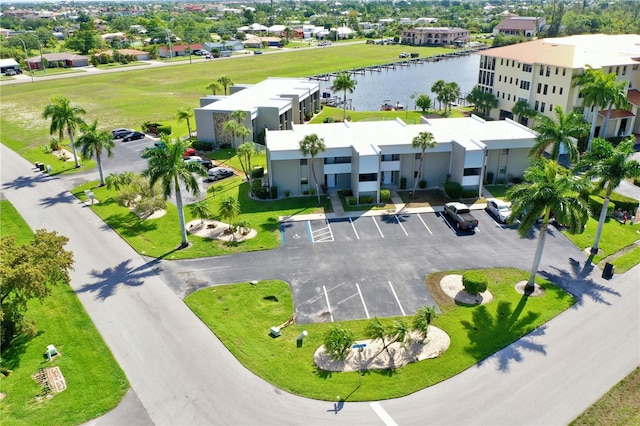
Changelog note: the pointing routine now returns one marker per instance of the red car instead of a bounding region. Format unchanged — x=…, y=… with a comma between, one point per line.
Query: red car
x=189, y=152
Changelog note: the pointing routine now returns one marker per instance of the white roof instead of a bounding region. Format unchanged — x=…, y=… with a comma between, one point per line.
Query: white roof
x=8, y=63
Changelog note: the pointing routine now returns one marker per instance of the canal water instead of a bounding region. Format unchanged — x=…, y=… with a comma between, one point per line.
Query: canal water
x=397, y=85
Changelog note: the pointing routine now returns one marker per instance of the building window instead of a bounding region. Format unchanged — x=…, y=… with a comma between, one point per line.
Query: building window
x=624, y=70
x=541, y=69
x=553, y=90
x=557, y=70
x=475, y=171
x=500, y=78
x=550, y=107
x=517, y=81
x=505, y=151
x=560, y=90
x=367, y=177
x=536, y=106
x=548, y=73
x=498, y=94
x=527, y=68
x=542, y=107
x=509, y=97
x=502, y=95
x=525, y=85
x=304, y=181
x=539, y=87
x=546, y=87
x=511, y=80
x=303, y=161
x=564, y=71
x=501, y=61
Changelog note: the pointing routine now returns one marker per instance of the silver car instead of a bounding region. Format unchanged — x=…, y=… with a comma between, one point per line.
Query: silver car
x=501, y=210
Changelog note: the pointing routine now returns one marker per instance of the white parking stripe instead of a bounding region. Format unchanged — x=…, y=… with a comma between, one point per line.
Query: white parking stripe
x=376, y=223
x=425, y=225
x=396, y=296
x=330, y=231
x=398, y=220
x=326, y=296
x=354, y=228
x=366, y=311
x=384, y=416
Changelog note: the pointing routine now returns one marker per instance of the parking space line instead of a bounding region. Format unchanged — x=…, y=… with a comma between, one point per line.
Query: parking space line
x=310, y=232
x=446, y=221
x=398, y=220
x=396, y=296
x=366, y=311
x=376, y=223
x=354, y=228
x=384, y=416
x=326, y=296
x=330, y=231
x=425, y=225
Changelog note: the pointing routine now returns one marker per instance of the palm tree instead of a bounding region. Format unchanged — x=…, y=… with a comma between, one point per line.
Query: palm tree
x=437, y=89
x=245, y=152
x=548, y=187
x=118, y=181
x=165, y=164
x=226, y=82
x=200, y=209
x=185, y=114
x=229, y=210
x=94, y=142
x=522, y=110
x=238, y=115
x=215, y=87
x=232, y=127
x=64, y=117
x=617, y=98
x=560, y=132
x=344, y=83
x=609, y=166
x=450, y=92
x=423, y=141
x=313, y=145
x=422, y=319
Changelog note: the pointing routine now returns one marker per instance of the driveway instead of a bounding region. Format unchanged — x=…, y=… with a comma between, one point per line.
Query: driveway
x=181, y=374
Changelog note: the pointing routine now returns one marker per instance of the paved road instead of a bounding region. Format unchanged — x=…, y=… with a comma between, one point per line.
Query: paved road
x=181, y=374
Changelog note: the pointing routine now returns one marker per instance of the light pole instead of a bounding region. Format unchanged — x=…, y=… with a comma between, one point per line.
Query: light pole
x=26, y=59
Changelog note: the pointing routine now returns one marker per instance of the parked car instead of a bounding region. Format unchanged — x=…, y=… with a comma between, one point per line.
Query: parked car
x=403, y=55
x=461, y=215
x=189, y=152
x=133, y=136
x=257, y=52
x=10, y=71
x=120, y=133
x=219, y=173
x=501, y=210
x=204, y=162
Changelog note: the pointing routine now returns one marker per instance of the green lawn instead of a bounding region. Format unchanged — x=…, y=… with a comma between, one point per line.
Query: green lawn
x=95, y=382
x=228, y=157
x=498, y=191
x=241, y=315
x=160, y=237
x=410, y=117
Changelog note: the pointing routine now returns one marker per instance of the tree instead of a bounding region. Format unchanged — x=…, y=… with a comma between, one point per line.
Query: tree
x=437, y=88
x=522, y=110
x=338, y=341
x=312, y=145
x=64, y=117
x=185, y=114
x=561, y=132
x=119, y=181
x=200, y=209
x=94, y=142
x=229, y=210
x=344, y=83
x=28, y=272
x=225, y=81
x=239, y=116
x=423, y=141
x=232, y=127
x=423, y=102
x=609, y=166
x=165, y=164
x=215, y=87
x=245, y=152
x=449, y=93
x=548, y=188
x=422, y=319
x=617, y=98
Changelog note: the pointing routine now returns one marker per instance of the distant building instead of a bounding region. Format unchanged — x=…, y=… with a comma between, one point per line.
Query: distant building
x=520, y=26
x=178, y=50
x=58, y=60
x=435, y=36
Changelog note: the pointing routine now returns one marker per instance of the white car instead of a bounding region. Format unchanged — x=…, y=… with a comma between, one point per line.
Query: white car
x=501, y=210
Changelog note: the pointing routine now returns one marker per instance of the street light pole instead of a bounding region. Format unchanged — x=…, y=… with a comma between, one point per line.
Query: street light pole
x=26, y=59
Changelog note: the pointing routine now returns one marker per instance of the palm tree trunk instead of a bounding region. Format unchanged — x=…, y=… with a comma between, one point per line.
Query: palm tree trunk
x=189, y=127
x=183, y=227
x=99, y=161
x=538, y=256
x=315, y=179
x=592, y=131
x=73, y=148
x=344, y=108
x=605, y=127
x=603, y=216
x=415, y=181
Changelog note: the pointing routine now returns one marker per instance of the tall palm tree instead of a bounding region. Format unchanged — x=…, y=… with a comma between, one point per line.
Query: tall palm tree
x=548, y=187
x=229, y=210
x=563, y=131
x=521, y=110
x=609, y=166
x=94, y=142
x=225, y=80
x=165, y=164
x=617, y=99
x=64, y=117
x=185, y=114
x=437, y=89
x=215, y=87
x=423, y=141
x=344, y=83
x=313, y=145
x=245, y=152
x=239, y=115
x=450, y=92
x=232, y=126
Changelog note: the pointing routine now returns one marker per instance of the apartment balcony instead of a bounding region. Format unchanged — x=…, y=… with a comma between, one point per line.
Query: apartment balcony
x=330, y=169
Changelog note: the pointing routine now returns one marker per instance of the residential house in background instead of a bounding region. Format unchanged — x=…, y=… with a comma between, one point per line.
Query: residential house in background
x=520, y=26
x=57, y=60
x=435, y=36
x=178, y=50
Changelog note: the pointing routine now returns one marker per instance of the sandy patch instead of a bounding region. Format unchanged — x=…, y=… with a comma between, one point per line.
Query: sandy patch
x=537, y=290
x=433, y=346
x=452, y=286
x=216, y=230
x=63, y=153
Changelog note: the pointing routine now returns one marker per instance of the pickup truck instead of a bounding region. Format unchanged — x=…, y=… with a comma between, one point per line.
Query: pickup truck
x=461, y=215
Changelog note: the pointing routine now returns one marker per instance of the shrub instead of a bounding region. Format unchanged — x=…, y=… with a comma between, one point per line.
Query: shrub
x=202, y=146
x=475, y=282
x=366, y=200
x=329, y=120
x=636, y=181
x=164, y=129
x=622, y=202
x=54, y=144
x=422, y=184
x=305, y=192
x=470, y=193
x=274, y=192
x=501, y=181
x=516, y=180
x=287, y=193
x=385, y=195
x=489, y=179
x=352, y=200
x=403, y=183
x=258, y=190
x=453, y=190
x=595, y=204
x=257, y=172
x=347, y=192
x=312, y=191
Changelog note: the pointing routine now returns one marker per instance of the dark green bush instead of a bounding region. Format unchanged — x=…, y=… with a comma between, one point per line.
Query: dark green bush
x=453, y=190
x=475, y=282
x=257, y=172
x=274, y=192
x=367, y=200
x=516, y=180
x=258, y=190
x=347, y=192
x=403, y=183
x=623, y=203
x=385, y=195
x=305, y=192
x=595, y=205
x=470, y=193
x=352, y=200
x=202, y=146
x=489, y=179
x=636, y=181
x=164, y=129
x=422, y=184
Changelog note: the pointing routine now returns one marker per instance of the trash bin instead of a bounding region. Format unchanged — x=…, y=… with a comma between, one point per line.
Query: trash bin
x=607, y=273
x=41, y=166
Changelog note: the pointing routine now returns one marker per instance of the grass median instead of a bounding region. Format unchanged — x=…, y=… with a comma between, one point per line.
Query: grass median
x=241, y=315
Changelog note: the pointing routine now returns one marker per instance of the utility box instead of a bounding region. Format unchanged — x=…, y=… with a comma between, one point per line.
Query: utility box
x=607, y=272
x=275, y=331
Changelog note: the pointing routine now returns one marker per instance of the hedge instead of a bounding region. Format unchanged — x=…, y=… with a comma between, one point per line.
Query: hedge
x=453, y=190
x=385, y=195
x=475, y=282
x=257, y=172
x=595, y=204
x=202, y=146
x=623, y=203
